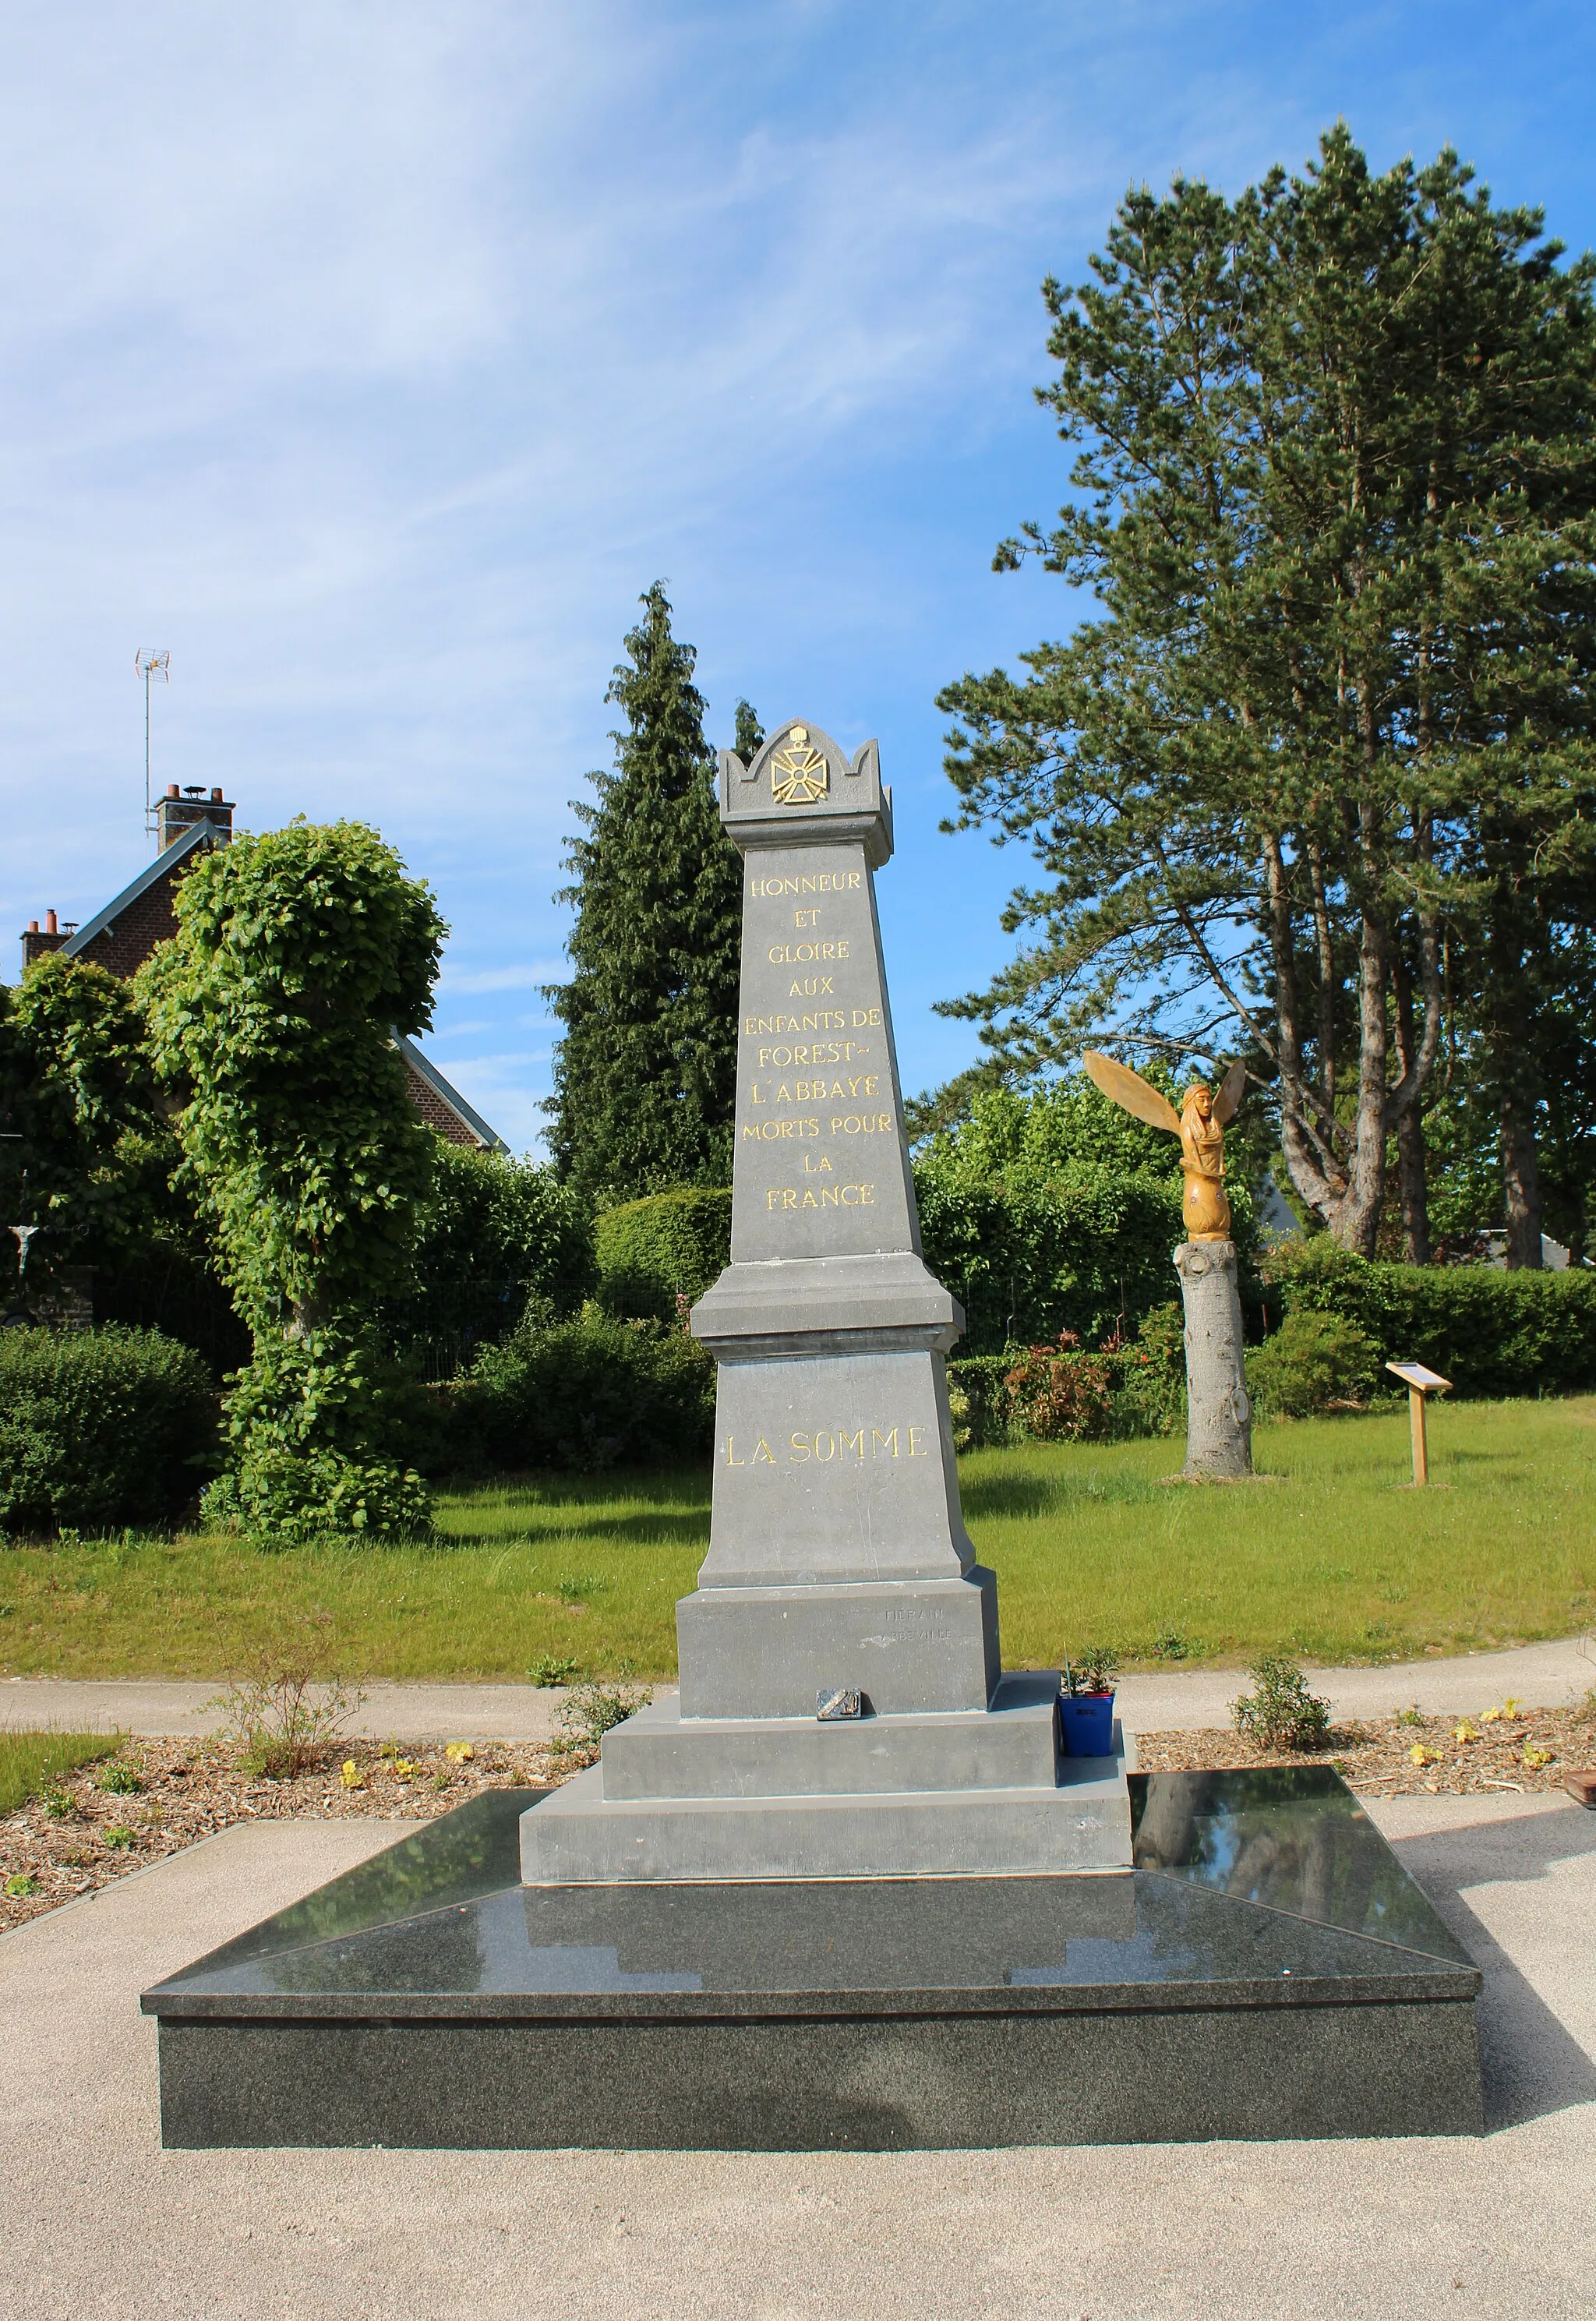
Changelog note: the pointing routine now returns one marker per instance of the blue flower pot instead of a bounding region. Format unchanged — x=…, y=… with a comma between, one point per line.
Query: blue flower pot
x=1088, y=1720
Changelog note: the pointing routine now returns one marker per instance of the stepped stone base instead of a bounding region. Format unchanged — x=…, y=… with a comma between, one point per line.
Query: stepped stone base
x=979, y=1794
x=912, y=1646
x=660, y=1753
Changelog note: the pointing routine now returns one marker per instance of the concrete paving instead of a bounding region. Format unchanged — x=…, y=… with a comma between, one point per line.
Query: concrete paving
x=399, y=1712
x=99, y=2222
x=1542, y=1676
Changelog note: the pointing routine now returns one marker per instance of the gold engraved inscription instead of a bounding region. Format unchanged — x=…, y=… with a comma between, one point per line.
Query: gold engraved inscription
x=827, y=1196
x=818, y=1019
x=827, y=1444
x=808, y=882
x=770, y=1132
x=859, y=1084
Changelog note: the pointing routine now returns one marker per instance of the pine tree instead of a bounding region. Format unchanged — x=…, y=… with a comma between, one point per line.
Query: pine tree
x=645, y=1075
x=1330, y=743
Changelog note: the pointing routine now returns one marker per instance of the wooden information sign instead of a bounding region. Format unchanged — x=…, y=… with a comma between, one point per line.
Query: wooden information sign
x=1420, y=1382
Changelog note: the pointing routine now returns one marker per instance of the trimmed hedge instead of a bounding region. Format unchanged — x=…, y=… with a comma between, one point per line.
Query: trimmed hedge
x=1494, y=1334
x=669, y=1245
x=978, y=1400
x=101, y=1428
x=1144, y=1382
x=588, y=1395
x=1026, y=1261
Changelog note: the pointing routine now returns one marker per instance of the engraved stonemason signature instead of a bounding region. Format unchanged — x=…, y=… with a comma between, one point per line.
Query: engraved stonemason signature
x=799, y=774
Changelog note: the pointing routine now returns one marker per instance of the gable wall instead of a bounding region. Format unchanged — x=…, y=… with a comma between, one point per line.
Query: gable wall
x=128, y=942
x=436, y=1112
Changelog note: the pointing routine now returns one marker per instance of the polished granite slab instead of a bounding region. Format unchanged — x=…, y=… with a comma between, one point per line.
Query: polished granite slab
x=1267, y=1967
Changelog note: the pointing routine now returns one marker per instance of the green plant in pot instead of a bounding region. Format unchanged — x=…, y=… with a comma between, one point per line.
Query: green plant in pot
x=1086, y=1702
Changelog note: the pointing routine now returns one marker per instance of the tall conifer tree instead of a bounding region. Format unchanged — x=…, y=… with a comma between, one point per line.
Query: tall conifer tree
x=645, y=1075
x=1323, y=766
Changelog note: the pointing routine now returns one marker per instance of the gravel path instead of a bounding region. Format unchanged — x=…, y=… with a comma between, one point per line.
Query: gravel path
x=1542, y=1676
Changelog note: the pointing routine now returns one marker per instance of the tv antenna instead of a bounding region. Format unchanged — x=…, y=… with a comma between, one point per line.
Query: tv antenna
x=149, y=663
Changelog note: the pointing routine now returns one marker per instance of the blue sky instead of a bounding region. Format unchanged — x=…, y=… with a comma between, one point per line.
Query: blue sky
x=374, y=357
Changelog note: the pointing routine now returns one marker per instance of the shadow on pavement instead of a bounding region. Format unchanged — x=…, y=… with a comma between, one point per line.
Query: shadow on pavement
x=1531, y=2064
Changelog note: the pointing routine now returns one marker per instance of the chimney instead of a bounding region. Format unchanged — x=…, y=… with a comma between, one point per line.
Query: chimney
x=180, y=809
x=38, y=942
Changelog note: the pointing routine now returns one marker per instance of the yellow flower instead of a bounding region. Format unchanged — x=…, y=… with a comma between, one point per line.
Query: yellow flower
x=404, y=1768
x=1492, y=1716
x=351, y=1775
x=1465, y=1732
x=459, y=1752
x=1509, y=1708
x=1419, y=1755
x=1536, y=1759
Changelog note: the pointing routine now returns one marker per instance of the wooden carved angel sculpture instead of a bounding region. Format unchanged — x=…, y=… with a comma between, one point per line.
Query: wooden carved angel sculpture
x=1200, y=1124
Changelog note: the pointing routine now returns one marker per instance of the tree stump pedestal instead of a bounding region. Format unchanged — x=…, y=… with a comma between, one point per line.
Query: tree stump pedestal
x=1219, y=1422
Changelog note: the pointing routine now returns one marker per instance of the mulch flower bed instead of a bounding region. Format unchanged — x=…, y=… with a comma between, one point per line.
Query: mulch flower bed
x=1492, y=1755
x=79, y=1834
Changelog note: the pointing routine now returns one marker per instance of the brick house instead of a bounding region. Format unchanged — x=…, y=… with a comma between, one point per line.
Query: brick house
x=121, y=936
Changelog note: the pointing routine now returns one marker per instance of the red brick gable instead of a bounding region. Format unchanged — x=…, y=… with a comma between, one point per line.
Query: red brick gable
x=149, y=919
x=436, y=1112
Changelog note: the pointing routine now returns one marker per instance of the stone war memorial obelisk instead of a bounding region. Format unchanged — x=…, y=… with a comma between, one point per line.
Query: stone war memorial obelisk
x=842, y=1710
x=842, y=1893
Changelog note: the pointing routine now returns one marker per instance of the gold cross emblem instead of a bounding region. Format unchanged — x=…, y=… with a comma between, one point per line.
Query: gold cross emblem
x=799, y=774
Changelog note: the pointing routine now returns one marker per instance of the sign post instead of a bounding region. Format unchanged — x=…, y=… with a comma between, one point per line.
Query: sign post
x=1419, y=1383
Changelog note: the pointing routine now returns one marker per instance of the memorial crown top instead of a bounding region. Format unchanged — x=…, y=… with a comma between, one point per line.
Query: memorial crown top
x=802, y=789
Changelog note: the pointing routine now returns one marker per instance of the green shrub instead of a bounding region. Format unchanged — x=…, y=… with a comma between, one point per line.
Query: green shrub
x=592, y=1711
x=588, y=1393
x=978, y=1401
x=282, y=1712
x=1495, y=1334
x=293, y=1496
x=101, y=1428
x=1313, y=1362
x=652, y=1252
x=1151, y=1397
x=1058, y=1394
x=1282, y=1713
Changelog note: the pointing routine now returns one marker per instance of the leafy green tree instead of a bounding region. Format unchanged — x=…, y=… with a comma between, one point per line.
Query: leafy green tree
x=1335, y=475
x=1053, y=1210
x=85, y=1152
x=498, y=1242
x=645, y=1074
x=298, y=956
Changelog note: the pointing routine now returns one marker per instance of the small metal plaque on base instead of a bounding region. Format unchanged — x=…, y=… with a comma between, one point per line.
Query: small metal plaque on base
x=833, y=1702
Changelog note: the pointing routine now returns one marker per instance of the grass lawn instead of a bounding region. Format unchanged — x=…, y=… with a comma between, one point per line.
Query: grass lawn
x=1335, y=1558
